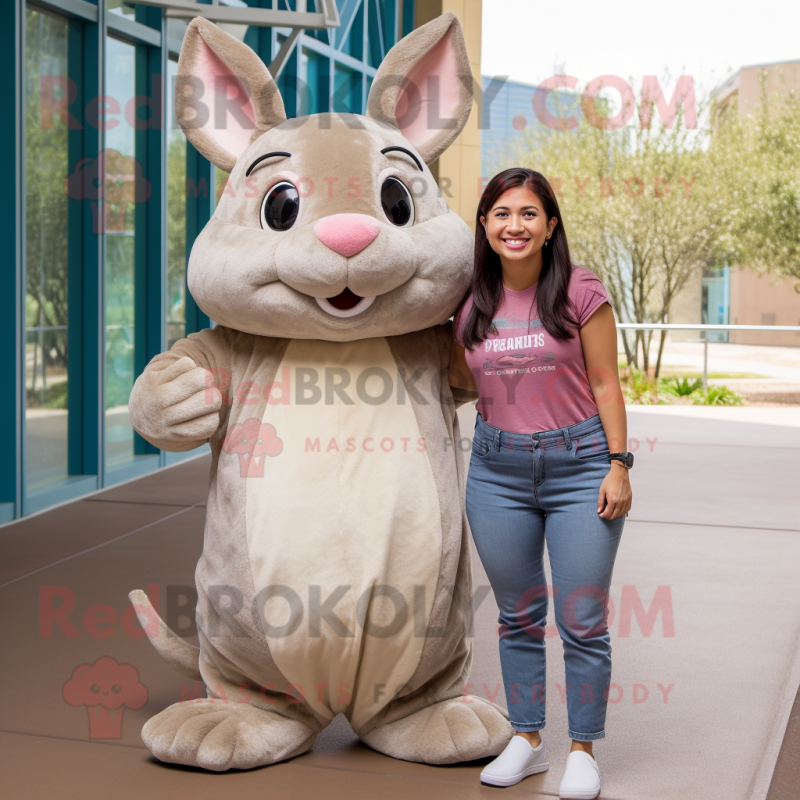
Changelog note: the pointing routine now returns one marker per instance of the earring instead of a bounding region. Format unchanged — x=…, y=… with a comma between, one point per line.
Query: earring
x=545, y=242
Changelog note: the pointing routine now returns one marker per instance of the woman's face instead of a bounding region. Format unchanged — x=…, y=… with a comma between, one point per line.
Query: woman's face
x=517, y=225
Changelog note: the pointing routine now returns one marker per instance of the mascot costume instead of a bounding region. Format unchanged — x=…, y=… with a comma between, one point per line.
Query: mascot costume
x=335, y=574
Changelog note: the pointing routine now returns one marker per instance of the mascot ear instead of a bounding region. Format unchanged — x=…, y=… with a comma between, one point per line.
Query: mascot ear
x=424, y=86
x=225, y=97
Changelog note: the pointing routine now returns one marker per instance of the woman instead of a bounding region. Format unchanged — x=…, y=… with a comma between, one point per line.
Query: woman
x=535, y=337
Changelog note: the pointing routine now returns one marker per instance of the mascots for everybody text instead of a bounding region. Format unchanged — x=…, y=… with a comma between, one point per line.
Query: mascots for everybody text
x=335, y=574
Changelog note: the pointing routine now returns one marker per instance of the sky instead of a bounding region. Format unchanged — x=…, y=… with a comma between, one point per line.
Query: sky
x=526, y=39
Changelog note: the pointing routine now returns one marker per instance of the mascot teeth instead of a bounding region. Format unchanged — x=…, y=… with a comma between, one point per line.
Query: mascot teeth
x=345, y=304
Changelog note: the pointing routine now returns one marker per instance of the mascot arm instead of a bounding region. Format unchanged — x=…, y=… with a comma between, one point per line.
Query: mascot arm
x=462, y=384
x=461, y=396
x=175, y=404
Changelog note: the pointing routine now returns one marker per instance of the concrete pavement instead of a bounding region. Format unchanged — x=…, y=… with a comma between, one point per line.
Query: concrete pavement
x=705, y=629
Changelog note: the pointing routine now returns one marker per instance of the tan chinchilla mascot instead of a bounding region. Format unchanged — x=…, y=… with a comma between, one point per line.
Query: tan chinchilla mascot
x=335, y=574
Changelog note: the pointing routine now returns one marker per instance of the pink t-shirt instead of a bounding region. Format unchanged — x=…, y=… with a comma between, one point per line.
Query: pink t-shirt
x=527, y=380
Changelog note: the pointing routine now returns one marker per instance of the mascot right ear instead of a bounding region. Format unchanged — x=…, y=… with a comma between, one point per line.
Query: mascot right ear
x=424, y=86
x=225, y=97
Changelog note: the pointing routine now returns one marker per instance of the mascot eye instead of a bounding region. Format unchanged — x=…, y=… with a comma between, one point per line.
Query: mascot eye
x=397, y=203
x=280, y=207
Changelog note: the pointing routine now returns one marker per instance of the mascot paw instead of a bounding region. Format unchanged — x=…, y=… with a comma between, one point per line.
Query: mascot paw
x=219, y=735
x=453, y=730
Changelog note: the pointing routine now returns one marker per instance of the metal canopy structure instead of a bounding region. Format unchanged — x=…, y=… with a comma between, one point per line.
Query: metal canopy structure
x=245, y=15
x=297, y=21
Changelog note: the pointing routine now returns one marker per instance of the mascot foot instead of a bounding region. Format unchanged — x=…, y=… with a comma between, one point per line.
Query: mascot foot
x=453, y=730
x=218, y=735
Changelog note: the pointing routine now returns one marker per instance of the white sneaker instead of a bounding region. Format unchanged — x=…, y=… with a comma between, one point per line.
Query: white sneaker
x=581, y=779
x=516, y=762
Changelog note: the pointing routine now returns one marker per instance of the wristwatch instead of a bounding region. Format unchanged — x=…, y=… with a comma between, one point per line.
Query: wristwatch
x=625, y=458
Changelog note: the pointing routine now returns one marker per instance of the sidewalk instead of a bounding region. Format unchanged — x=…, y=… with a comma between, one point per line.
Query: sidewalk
x=711, y=549
x=774, y=363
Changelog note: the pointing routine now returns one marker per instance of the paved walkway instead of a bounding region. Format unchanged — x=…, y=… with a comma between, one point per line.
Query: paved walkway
x=774, y=363
x=706, y=685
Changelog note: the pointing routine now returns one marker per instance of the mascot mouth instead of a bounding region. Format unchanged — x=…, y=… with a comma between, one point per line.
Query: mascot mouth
x=345, y=304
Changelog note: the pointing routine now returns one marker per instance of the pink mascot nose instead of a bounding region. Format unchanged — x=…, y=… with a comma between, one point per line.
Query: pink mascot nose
x=347, y=234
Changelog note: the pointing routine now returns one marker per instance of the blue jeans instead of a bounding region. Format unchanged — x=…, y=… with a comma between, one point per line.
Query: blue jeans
x=523, y=489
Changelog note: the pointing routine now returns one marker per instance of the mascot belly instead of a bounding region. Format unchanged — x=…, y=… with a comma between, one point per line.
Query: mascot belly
x=331, y=506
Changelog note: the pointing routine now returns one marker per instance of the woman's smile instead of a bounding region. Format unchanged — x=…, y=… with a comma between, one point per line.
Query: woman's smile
x=515, y=243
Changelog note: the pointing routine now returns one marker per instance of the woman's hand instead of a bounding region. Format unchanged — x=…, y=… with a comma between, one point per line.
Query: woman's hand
x=615, y=495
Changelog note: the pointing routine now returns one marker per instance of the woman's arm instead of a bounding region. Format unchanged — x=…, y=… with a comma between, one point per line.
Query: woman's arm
x=599, y=341
x=460, y=376
x=462, y=383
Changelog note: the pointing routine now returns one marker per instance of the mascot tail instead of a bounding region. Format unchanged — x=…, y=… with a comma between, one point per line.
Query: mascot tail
x=179, y=654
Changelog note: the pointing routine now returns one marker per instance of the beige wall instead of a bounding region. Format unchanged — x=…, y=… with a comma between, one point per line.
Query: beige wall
x=763, y=300
x=744, y=85
x=458, y=170
x=686, y=307
x=753, y=300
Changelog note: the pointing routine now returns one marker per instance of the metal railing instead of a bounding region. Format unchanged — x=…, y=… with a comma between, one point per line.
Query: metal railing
x=688, y=326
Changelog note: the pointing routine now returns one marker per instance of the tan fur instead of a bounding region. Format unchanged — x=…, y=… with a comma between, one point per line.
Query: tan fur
x=400, y=61
x=182, y=655
x=250, y=71
x=313, y=520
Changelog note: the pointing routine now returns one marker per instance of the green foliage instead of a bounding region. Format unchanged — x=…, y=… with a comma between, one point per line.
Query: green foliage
x=717, y=396
x=648, y=209
x=639, y=207
x=639, y=388
x=119, y=367
x=695, y=373
x=681, y=387
x=46, y=167
x=54, y=396
x=176, y=236
x=755, y=158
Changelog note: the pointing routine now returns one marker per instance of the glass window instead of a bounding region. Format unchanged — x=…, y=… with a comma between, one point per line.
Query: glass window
x=322, y=34
x=220, y=184
x=375, y=49
x=176, y=217
x=313, y=90
x=123, y=9
x=346, y=90
x=46, y=267
x=353, y=43
x=120, y=266
x=176, y=29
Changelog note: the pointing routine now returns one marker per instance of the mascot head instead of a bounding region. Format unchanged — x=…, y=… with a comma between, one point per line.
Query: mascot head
x=331, y=225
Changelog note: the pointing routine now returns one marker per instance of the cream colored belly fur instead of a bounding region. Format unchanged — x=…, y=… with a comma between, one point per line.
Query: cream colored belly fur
x=350, y=501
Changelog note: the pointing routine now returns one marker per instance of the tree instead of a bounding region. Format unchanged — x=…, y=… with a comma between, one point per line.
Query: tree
x=757, y=160
x=46, y=154
x=640, y=206
x=176, y=236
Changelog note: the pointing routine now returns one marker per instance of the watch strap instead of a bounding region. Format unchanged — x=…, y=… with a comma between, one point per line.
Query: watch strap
x=625, y=458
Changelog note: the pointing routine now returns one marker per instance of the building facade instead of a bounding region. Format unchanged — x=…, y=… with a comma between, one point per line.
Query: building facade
x=737, y=295
x=105, y=197
x=507, y=111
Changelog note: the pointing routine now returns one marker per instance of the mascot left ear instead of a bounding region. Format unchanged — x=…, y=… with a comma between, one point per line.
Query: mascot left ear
x=225, y=97
x=424, y=86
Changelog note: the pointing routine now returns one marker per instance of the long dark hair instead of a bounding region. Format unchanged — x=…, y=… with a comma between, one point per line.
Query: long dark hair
x=487, y=276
